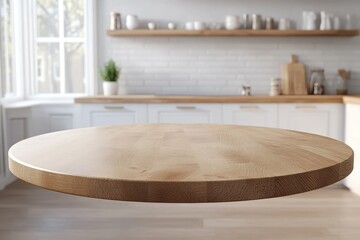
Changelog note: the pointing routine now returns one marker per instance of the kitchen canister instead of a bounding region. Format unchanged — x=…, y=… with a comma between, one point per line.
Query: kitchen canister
x=132, y=22
x=151, y=26
x=189, y=26
x=269, y=23
x=247, y=24
x=337, y=23
x=256, y=22
x=284, y=24
x=317, y=81
x=199, y=25
x=171, y=26
x=275, y=87
x=341, y=82
x=232, y=22
x=115, y=21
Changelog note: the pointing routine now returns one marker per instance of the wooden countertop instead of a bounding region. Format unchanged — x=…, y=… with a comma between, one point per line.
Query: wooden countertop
x=176, y=163
x=352, y=99
x=210, y=99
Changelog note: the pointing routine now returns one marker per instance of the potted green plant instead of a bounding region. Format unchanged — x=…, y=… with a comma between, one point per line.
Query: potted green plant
x=110, y=75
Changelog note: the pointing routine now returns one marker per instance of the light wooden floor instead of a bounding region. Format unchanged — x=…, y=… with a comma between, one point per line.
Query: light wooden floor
x=27, y=212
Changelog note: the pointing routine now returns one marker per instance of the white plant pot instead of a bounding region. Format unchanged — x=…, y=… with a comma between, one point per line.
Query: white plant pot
x=110, y=88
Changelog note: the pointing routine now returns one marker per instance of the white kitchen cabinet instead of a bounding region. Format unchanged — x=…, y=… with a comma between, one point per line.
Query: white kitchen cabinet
x=260, y=115
x=322, y=119
x=16, y=128
x=185, y=113
x=51, y=118
x=352, y=138
x=112, y=114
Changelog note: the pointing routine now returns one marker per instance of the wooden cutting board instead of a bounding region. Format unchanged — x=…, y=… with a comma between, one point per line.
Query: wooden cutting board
x=293, y=80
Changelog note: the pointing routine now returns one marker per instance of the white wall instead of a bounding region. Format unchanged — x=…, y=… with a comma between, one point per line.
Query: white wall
x=219, y=66
x=2, y=153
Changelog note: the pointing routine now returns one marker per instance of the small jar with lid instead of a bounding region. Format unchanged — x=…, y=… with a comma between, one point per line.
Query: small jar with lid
x=317, y=82
x=256, y=22
x=115, y=21
x=275, y=87
x=341, y=82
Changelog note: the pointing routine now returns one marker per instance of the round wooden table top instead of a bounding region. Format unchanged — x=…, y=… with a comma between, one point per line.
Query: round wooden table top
x=174, y=163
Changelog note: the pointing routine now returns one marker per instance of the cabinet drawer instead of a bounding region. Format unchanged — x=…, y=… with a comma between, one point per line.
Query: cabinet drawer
x=261, y=115
x=322, y=119
x=185, y=113
x=113, y=114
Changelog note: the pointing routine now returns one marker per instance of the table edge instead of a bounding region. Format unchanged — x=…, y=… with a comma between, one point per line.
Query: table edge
x=183, y=192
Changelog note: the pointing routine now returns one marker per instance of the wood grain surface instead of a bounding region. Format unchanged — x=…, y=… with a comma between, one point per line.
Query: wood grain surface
x=181, y=163
x=234, y=33
x=294, y=78
x=352, y=100
x=209, y=99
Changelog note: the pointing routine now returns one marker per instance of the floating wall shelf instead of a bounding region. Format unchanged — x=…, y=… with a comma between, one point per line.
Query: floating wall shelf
x=234, y=33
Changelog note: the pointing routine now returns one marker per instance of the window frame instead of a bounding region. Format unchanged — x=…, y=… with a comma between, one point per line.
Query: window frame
x=5, y=91
x=88, y=41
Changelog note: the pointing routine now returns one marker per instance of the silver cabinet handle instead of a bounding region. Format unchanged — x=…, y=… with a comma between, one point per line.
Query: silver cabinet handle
x=114, y=107
x=304, y=107
x=186, y=107
x=250, y=107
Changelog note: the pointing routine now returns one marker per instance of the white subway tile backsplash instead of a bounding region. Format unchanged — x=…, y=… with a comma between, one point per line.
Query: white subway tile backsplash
x=220, y=65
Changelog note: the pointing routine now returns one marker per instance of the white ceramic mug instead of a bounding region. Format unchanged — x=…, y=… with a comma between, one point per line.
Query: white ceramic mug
x=171, y=26
x=151, y=25
x=189, y=26
x=284, y=24
x=132, y=22
x=232, y=22
x=199, y=25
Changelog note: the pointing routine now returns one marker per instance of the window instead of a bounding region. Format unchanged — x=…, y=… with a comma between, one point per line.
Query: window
x=59, y=56
x=6, y=49
x=40, y=69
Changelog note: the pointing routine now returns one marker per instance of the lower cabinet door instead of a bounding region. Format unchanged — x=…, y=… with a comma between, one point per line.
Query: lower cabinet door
x=185, y=113
x=260, y=115
x=113, y=114
x=322, y=119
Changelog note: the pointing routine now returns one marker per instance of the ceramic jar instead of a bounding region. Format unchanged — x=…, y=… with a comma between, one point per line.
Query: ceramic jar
x=132, y=22
x=115, y=20
x=317, y=82
x=284, y=24
x=151, y=26
x=232, y=22
x=199, y=25
x=171, y=26
x=189, y=26
x=275, y=87
x=256, y=22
